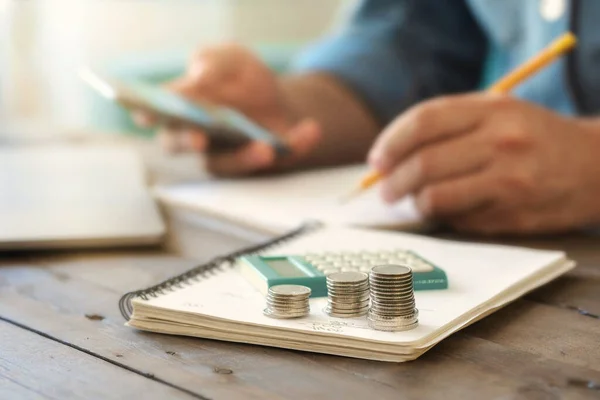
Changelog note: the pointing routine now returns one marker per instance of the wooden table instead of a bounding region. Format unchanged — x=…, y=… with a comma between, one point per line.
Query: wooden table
x=62, y=336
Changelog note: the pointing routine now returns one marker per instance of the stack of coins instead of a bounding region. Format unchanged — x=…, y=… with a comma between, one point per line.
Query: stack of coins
x=347, y=294
x=392, y=299
x=287, y=301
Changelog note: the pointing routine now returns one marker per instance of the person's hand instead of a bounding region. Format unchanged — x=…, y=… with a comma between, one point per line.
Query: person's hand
x=492, y=164
x=231, y=75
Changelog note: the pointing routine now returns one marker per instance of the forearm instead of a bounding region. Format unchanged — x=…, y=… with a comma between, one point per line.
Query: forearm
x=589, y=148
x=348, y=128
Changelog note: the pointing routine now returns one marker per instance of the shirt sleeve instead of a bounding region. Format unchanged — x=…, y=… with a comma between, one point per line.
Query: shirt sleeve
x=394, y=53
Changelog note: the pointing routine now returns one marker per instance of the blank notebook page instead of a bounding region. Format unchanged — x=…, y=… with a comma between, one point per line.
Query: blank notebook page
x=278, y=203
x=63, y=195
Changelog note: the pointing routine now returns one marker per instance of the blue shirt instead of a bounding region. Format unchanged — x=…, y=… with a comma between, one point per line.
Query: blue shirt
x=394, y=53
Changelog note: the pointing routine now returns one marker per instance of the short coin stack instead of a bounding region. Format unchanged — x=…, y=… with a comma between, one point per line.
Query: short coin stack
x=287, y=301
x=392, y=299
x=347, y=294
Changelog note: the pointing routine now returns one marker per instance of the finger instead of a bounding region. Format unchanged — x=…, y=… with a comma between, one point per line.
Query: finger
x=168, y=141
x=438, y=161
x=206, y=88
x=500, y=218
x=427, y=122
x=194, y=140
x=301, y=139
x=251, y=158
x=490, y=220
x=456, y=196
x=143, y=119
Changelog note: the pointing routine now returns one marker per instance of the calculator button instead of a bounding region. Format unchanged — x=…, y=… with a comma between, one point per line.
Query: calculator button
x=326, y=265
x=423, y=266
x=367, y=255
x=330, y=271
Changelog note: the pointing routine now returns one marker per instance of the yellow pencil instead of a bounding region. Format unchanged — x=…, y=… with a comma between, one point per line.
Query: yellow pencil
x=546, y=56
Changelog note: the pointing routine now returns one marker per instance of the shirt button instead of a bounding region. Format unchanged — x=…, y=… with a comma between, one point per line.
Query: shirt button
x=551, y=10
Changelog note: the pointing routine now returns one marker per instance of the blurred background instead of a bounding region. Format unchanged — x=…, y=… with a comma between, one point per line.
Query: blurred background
x=44, y=42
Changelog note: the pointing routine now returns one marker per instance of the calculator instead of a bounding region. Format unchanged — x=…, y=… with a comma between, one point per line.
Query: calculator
x=311, y=269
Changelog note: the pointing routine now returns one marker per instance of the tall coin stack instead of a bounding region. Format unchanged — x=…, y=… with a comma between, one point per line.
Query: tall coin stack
x=392, y=299
x=347, y=294
x=287, y=301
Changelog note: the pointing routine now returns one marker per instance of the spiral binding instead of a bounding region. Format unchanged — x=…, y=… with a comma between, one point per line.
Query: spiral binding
x=202, y=271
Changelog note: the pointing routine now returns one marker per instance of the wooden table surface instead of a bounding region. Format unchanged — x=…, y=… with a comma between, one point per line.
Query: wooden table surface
x=62, y=336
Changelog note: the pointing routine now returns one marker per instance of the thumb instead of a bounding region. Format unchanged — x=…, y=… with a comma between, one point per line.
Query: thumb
x=185, y=86
x=303, y=137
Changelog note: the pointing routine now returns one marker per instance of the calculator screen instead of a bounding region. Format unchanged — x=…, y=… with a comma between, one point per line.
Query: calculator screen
x=285, y=268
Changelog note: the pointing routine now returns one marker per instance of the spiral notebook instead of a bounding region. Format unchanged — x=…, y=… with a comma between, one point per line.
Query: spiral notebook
x=276, y=204
x=215, y=301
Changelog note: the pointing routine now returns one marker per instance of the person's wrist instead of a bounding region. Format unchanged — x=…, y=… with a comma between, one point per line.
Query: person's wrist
x=589, y=131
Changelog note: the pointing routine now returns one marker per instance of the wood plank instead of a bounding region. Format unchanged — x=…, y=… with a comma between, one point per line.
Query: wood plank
x=542, y=330
x=573, y=292
x=52, y=295
x=34, y=367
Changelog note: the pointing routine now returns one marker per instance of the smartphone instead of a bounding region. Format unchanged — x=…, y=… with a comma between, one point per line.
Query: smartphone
x=226, y=128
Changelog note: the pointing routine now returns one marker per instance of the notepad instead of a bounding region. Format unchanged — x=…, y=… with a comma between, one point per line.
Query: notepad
x=275, y=204
x=215, y=301
x=65, y=196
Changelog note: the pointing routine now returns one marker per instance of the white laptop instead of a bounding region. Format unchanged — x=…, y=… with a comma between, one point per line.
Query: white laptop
x=75, y=196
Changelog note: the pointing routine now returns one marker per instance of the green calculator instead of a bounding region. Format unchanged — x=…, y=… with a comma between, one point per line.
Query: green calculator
x=311, y=269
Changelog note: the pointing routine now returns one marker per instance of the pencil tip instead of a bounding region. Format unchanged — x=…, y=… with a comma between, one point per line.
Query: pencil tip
x=349, y=196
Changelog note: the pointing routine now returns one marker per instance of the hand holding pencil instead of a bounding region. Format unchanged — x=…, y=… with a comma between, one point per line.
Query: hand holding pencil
x=552, y=52
x=488, y=163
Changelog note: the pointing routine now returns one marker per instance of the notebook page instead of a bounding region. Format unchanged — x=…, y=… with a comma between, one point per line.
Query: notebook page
x=67, y=194
x=279, y=203
x=477, y=273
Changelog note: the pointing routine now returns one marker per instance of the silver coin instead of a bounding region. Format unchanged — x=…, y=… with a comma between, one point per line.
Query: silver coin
x=348, y=288
x=390, y=282
x=333, y=307
x=386, y=279
x=338, y=314
x=385, y=306
x=347, y=277
x=403, y=322
x=413, y=314
x=287, y=306
x=407, y=313
x=286, y=299
x=392, y=328
x=391, y=289
x=392, y=298
x=290, y=290
x=348, y=306
x=286, y=309
x=390, y=302
x=391, y=292
x=290, y=310
x=348, y=292
x=391, y=270
x=346, y=299
x=279, y=315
